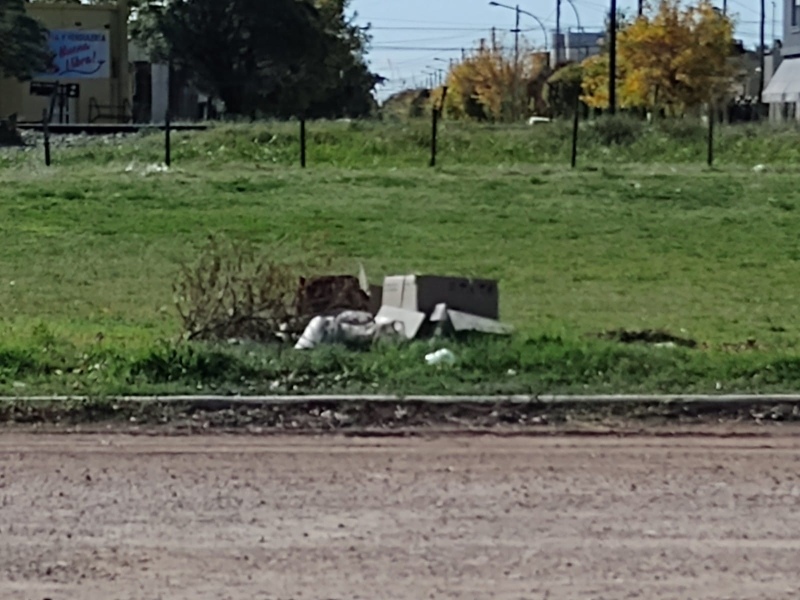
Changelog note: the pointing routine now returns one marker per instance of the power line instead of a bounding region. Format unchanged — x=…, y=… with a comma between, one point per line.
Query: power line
x=744, y=6
x=428, y=28
x=429, y=39
x=416, y=49
x=425, y=22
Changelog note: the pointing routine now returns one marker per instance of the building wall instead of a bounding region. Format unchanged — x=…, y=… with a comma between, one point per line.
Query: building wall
x=15, y=97
x=791, y=28
x=582, y=44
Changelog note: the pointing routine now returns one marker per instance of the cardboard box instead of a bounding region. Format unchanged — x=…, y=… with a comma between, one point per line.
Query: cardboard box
x=421, y=294
x=454, y=321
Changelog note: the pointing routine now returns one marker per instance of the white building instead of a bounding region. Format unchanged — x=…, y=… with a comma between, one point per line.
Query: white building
x=783, y=91
x=575, y=46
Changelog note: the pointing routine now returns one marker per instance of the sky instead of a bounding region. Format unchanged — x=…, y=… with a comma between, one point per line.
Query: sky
x=412, y=37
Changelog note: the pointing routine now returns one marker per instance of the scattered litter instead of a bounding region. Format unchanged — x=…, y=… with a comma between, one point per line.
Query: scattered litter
x=759, y=168
x=443, y=356
x=327, y=294
x=444, y=305
x=455, y=321
x=155, y=168
x=535, y=120
x=349, y=310
x=349, y=327
x=149, y=169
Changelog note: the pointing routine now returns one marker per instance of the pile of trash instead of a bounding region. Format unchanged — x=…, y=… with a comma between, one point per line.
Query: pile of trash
x=350, y=311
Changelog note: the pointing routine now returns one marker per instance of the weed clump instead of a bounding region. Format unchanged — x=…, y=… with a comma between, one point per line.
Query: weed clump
x=231, y=292
x=617, y=130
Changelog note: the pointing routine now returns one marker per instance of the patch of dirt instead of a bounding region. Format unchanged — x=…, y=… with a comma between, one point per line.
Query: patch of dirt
x=647, y=336
x=209, y=517
x=353, y=415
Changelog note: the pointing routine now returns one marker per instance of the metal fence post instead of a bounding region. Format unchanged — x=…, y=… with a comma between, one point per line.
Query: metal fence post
x=46, y=130
x=303, y=143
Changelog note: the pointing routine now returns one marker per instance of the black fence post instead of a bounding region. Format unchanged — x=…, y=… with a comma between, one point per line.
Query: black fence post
x=434, y=127
x=711, y=117
x=436, y=112
x=575, y=122
x=303, y=142
x=46, y=131
x=167, y=139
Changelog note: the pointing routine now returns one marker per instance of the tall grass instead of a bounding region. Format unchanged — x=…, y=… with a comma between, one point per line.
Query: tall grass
x=643, y=236
x=522, y=365
x=365, y=144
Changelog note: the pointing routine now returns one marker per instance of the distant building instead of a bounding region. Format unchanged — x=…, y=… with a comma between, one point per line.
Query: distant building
x=783, y=92
x=154, y=90
x=88, y=80
x=575, y=46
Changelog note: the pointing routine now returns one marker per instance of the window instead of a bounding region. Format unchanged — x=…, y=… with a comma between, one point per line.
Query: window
x=795, y=11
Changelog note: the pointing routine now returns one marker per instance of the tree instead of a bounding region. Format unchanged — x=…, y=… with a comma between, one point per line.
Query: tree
x=564, y=89
x=23, y=42
x=672, y=59
x=349, y=92
x=492, y=85
x=277, y=57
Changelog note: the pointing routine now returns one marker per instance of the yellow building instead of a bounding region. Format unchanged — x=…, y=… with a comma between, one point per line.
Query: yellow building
x=90, y=48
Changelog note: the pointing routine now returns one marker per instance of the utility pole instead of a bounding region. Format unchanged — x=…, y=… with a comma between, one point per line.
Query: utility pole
x=641, y=7
x=612, y=60
x=516, y=67
x=772, y=41
x=761, y=53
x=558, y=32
x=724, y=8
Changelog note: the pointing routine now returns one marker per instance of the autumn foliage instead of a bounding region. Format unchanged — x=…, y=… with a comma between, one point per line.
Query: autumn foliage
x=672, y=58
x=492, y=85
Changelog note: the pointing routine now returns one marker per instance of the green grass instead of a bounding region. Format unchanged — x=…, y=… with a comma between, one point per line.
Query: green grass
x=90, y=248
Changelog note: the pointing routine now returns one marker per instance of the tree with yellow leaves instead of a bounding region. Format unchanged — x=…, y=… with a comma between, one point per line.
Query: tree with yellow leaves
x=673, y=58
x=492, y=85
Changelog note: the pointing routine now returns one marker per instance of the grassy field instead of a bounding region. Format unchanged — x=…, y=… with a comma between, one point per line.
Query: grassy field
x=91, y=247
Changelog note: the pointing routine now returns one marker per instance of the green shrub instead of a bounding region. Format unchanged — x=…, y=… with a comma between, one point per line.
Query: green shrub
x=617, y=130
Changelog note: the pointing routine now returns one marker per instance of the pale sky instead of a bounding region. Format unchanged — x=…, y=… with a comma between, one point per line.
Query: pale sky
x=410, y=35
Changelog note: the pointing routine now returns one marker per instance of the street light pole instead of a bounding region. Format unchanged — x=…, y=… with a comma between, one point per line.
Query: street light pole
x=577, y=15
x=515, y=98
x=761, y=53
x=518, y=11
x=524, y=12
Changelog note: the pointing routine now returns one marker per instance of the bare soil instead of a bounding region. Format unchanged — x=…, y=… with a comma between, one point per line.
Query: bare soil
x=212, y=517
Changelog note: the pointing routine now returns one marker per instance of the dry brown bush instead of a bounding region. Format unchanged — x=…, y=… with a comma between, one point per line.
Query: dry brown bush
x=230, y=291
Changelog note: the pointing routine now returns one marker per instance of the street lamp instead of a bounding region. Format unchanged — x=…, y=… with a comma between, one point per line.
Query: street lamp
x=431, y=78
x=449, y=62
x=577, y=16
x=559, y=43
x=437, y=72
x=518, y=11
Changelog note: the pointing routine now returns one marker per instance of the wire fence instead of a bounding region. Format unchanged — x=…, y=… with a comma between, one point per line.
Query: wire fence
x=437, y=141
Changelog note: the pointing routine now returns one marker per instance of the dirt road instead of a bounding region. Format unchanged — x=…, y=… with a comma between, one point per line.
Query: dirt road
x=116, y=517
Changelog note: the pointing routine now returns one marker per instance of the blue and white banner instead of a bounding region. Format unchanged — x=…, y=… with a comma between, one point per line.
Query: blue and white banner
x=78, y=54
